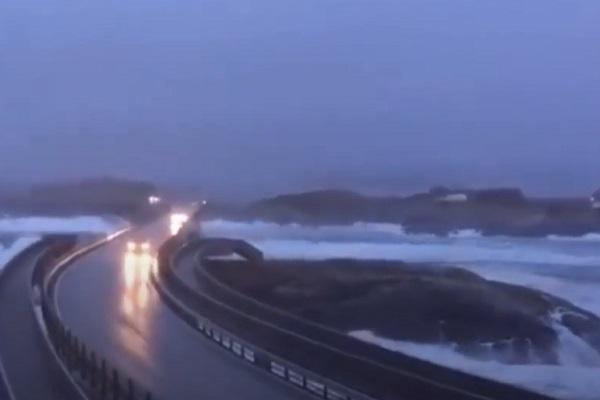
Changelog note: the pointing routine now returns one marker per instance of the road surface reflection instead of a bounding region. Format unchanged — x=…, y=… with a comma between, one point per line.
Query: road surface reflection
x=135, y=332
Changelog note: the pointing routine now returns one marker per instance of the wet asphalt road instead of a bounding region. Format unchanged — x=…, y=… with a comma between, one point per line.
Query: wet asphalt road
x=123, y=318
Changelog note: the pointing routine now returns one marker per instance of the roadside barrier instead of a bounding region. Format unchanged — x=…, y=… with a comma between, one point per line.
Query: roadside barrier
x=249, y=353
x=5, y=388
x=90, y=370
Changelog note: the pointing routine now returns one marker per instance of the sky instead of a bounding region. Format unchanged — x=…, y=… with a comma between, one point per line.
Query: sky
x=249, y=97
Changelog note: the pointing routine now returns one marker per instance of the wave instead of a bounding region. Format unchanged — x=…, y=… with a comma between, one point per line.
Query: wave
x=390, y=241
x=589, y=237
x=581, y=292
x=457, y=253
x=261, y=230
x=79, y=224
x=572, y=350
x=567, y=268
x=365, y=230
x=571, y=380
x=465, y=234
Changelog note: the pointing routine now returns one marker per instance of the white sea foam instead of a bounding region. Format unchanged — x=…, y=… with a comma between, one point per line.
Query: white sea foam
x=79, y=224
x=571, y=381
x=433, y=251
x=359, y=231
x=572, y=350
x=465, y=234
x=589, y=237
x=581, y=292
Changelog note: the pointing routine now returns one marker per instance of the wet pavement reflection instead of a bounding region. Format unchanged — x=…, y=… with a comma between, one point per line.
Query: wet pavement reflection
x=137, y=265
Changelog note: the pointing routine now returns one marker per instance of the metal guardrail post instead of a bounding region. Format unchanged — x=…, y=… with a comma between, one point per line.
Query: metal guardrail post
x=75, y=357
x=130, y=389
x=93, y=369
x=84, y=360
x=103, y=379
x=59, y=341
x=68, y=348
x=115, y=384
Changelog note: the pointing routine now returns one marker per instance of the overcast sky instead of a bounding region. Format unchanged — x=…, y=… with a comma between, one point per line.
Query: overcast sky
x=245, y=97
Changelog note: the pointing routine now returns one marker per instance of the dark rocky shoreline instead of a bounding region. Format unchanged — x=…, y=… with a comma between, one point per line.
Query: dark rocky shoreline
x=439, y=211
x=419, y=303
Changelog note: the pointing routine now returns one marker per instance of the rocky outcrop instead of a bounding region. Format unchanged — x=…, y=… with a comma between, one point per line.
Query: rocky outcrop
x=501, y=211
x=89, y=196
x=419, y=303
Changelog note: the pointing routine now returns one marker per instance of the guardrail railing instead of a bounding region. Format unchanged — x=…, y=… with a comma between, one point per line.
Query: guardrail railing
x=246, y=351
x=5, y=389
x=90, y=370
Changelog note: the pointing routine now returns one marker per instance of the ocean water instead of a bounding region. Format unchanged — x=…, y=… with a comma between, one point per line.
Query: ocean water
x=78, y=224
x=17, y=233
x=568, y=267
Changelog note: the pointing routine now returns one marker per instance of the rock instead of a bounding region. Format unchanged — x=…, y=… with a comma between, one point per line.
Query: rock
x=419, y=303
x=495, y=211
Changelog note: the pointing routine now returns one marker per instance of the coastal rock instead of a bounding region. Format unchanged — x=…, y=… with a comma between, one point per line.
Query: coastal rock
x=420, y=303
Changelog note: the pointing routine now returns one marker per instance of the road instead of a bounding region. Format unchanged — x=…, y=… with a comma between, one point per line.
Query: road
x=30, y=367
x=127, y=322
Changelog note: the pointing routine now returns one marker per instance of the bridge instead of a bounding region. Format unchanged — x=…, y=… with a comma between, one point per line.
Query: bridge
x=107, y=319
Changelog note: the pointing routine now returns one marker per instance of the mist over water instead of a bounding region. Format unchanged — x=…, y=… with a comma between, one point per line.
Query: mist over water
x=76, y=224
x=568, y=267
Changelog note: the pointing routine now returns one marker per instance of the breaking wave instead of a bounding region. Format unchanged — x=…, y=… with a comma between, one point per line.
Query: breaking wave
x=588, y=237
x=567, y=268
x=389, y=241
x=41, y=225
x=569, y=381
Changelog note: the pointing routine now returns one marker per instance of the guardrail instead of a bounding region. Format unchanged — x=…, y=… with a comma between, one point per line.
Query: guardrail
x=92, y=372
x=5, y=388
x=289, y=372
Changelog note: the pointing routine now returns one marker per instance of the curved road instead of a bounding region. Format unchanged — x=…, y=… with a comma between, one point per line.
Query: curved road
x=123, y=318
x=32, y=371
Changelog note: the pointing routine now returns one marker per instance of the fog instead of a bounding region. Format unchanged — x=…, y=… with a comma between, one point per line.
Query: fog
x=246, y=97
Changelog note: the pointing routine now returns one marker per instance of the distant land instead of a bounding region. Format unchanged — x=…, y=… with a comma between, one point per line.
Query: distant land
x=106, y=195
x=495, y=211
x=440, y=211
